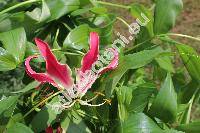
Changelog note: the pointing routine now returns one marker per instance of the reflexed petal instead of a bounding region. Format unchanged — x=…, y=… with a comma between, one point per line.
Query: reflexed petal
x=41, y=77
x=59, y=73
x=92, y=54
x=114, y=62
x=86, y=79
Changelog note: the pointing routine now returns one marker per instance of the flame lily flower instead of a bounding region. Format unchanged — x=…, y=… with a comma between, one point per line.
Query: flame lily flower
x=59, y=75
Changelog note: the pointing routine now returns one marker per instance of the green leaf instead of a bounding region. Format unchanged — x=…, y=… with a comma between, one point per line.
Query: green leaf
x=31, y=49
x=7, y=61
x=19, y=128
x=7, y=103
x=133, y=98
x=134, y=61
x=77, y=38
x=18, y=117
x=59, y=8
x=181, y=110
x=7, y=106
x=72, y=122
x=190, y=128
x=141, y=97
x=80, y=11
x=137, y=10
x=38, y=14
x=14, y=41
x=29, y=87
x=165, y=63
x=5, y=24
x=124, y=96
x=165, y=14
x=191, y=60
x=45, y=117
x=98, y=10
x=144, y=19
x=165, y=104
x=104, y=26
x=188, y=91
x=139, y=123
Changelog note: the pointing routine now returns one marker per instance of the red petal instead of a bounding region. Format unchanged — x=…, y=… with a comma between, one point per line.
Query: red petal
x=59, y=72
x=59, y=129
x=113, y=64
x=49, y=130
x=92, y=54
x=41, y=77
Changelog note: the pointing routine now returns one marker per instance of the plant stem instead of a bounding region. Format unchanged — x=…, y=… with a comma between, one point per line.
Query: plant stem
x=67, y=26
x=181, y=35
x=139, y=44
x=111, y=4
x=42, y=102
x=190, y=107
x=123, y=21
x=69, y=53
x=18, y=5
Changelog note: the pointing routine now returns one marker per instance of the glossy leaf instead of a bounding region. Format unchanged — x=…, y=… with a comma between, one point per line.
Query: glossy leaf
x=7, y=105
x=58, y=8
x=7, y=61
x=137, y=123
x=14, y=41
x=7, y=102
x=45, y=117
x=78, y=38
x=165, y=104
x=165, y=14
x=191, y=60
x=40, y=14
x=31, y=49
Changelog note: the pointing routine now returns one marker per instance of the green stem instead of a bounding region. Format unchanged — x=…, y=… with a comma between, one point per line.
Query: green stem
x=111, y=4
x=190, y=108
x=181, y=35
x=186, y=117
x=18, y=5
x=67, y=26
x=69, y=53
x=123, y=21
x=42, y=102
x=139, y=44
